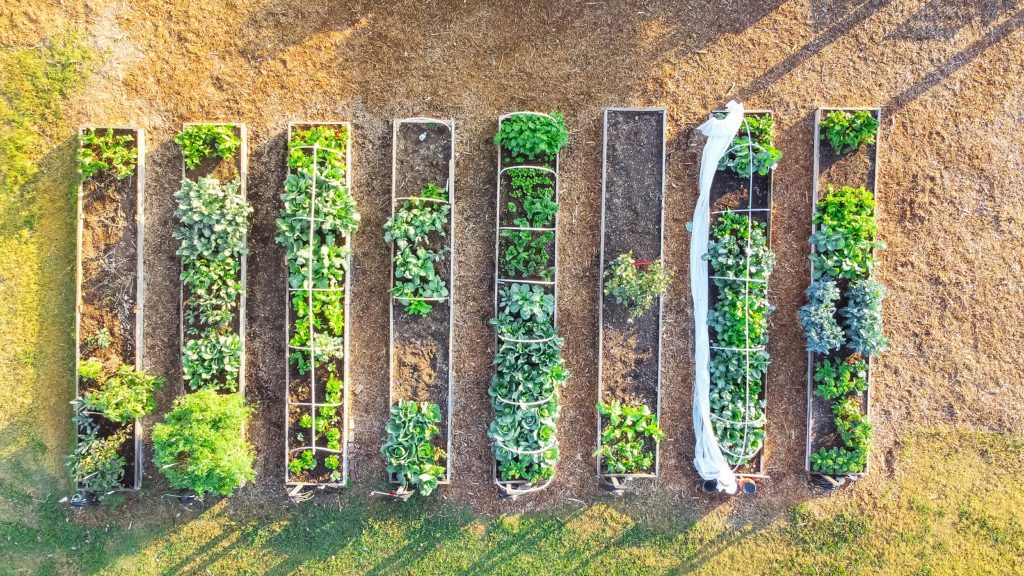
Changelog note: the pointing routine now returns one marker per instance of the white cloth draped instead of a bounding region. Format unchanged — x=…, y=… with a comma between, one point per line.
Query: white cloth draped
x=708, y=457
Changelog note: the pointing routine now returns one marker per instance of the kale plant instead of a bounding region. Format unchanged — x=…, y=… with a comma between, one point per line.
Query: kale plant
x=862, y=316
x=821, y=329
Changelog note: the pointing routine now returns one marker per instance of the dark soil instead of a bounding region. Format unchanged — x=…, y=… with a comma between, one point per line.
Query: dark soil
x=731, y=192
x=421, y=366
x=109, y=283
x=853, y=169
x=632, y=217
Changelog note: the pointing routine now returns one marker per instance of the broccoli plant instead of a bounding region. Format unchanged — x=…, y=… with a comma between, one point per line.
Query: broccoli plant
x=821, y=329
x=862, y=316
x=410, y=450
x=847, y=132
x=99, y=152
x=635, y=283
x=528, y=137
x=200, y=141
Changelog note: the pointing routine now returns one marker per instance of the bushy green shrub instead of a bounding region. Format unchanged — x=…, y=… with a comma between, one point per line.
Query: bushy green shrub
x=528, y=137
x=200, y=445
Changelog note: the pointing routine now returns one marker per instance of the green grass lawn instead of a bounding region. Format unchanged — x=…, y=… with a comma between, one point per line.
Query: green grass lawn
x=952, y=507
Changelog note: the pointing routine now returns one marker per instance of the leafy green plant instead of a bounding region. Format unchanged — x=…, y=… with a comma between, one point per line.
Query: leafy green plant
x=96, y=466
x=214, y=359
x=532, y=194
x=200, y=141
x=525, y=253
x=529, y=371
x=532, y=136
x=410, y=229
x=100, y=339
x=626, y=439
x=124, y=396
x=821, y=329
x=837, y=378
x=90, y=369
x=845, y=239
x=635, y=283
x=752, y=150
x=97, y=153
x=410, y=451
x=847, y=132
x=330, y=158
x=855, y=431
x=305, y=461
x=862, y=316
x=200, y=443
x=738, y=250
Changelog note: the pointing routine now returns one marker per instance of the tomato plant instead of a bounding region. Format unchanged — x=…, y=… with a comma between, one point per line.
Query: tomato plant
x=635, y=284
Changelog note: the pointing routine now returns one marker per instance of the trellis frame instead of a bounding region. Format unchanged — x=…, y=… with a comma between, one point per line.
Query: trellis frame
x=600, y=291
x=816, y=177
x=450, y=189
x=140, y=188
x=515, y=488
x=346, y=387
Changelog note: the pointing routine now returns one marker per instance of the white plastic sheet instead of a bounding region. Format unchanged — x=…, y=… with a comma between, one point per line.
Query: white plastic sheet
x=708, y=456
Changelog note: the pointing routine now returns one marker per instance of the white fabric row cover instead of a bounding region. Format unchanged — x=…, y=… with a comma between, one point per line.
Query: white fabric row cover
x=708, y=457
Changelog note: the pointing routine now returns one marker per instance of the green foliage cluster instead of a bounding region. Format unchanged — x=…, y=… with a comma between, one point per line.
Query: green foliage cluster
x=528, y=137
x=529, y=371
x=213, y=226
x=635, y=284
x=200, y=141
x=855, y=432
x=626, y=439
x=121, y=397
x=200, y=444
x=317, y=253
x=862, y=316
x=99, y=339
x=96, y=466
x=739, y=250
x=819, y=316
x=845, y=238
x=314, y=232
x=524, y=253
x=837, y=378
x=99, y=152
x=410, y=450
x=410, y=230
x=752, y=150
x=532, y=195
x=847, y=132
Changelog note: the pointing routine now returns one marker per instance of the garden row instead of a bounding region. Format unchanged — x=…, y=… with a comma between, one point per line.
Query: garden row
x=201, y=443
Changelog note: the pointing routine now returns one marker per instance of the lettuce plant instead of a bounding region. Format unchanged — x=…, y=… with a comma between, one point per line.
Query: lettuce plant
x=845, y=239
x=527, y=137
x=410, y=451
x=847, y=132
x=862, y=316
x=200, y=141
x=99, y=152
x=821, y=329
x=635, y=284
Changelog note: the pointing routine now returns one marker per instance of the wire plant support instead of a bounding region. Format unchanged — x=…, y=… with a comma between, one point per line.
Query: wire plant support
x=406, y=181
x=819, y=415
x=513, y=489
x=632, y=189
x=757, y=204
x=241, y=160
x=137, y=183
x=297, y=490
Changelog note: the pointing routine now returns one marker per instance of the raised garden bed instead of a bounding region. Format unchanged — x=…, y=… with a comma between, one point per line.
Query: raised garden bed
x=854, y=166
x=319, y=216
x=109, y=284
x=630, y=317
x=529, y=369
x=230, y=171
x=740, y=214
x=421, y=320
